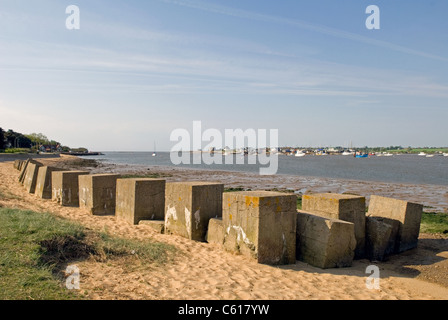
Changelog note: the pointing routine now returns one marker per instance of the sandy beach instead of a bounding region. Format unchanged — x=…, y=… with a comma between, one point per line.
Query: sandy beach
x=202, y=271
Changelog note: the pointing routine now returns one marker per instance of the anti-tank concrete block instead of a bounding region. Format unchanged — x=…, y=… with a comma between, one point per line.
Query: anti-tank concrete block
x=30, y=179
x=407, y=214
x=325, y=242
x=140, y=199
x=66, y=187
x=190, y=205
x=261, y=225
x=216, y=232
x=344, y=207
x=43, y=183
x=97, y=193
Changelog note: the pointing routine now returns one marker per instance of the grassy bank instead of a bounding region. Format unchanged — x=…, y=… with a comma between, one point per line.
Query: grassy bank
x=434, y=223
x=418, y=150
x=17, y=150
x=35, y=249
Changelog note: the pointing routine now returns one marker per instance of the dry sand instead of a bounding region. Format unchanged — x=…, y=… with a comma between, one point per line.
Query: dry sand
x=201, y=271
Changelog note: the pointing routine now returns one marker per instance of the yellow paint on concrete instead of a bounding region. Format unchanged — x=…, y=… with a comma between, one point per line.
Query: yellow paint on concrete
x=255, y=201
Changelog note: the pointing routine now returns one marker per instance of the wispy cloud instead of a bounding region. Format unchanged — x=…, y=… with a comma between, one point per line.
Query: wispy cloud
x=244, y=14
x=213, y=72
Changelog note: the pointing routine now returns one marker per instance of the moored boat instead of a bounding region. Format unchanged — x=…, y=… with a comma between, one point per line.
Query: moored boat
x=300, y=153
x=364, y=155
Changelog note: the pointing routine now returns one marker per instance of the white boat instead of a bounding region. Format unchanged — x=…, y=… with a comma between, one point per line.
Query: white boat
x=422, y=154
x=300, y=154
x=387, y=154
x=154, y=154
x=429, y=156
x=347, y=153
x=445, y=154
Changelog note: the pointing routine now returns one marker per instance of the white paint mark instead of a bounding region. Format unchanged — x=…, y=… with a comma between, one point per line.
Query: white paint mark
x=170, y=214
x=197, y=218
x=241, y=235
x=188, y=221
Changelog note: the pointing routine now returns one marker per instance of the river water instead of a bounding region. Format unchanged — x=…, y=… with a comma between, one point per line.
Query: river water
x=406, y=168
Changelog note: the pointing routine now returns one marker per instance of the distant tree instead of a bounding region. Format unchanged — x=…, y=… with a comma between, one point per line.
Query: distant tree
x=81, y=150
x=17, y=140
x=2, y=140
x=37, y=138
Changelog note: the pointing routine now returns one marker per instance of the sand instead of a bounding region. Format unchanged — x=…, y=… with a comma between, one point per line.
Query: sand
x=202, y=271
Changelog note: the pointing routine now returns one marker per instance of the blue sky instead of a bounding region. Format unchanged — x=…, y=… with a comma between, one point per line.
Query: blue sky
x=137, y=70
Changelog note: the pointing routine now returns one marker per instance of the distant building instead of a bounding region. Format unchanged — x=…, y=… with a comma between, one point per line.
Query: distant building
x=50, y=148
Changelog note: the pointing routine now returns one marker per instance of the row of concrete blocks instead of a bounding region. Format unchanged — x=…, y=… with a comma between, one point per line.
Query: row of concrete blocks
x=331, y=231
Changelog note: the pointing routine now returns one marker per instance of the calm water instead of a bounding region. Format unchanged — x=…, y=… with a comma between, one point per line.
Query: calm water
x=399, y=168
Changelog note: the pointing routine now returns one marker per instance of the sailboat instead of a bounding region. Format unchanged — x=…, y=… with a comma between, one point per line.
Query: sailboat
x=154, y=154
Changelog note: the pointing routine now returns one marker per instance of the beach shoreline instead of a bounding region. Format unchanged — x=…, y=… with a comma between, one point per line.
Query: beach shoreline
x=433, y=197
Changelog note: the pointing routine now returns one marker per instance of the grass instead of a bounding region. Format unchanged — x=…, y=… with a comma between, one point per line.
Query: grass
x=434, y=223
x=35, y=249
x=236, y=189
x=418, y=150
x=146, y=176
x=17, y=150
x=299, y=202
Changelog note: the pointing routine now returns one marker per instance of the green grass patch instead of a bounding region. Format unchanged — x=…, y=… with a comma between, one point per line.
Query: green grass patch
x=146, y=176
x=35, y=249
x=299, y=202
x=18, y=150
x=235, y=189
x=418, y=150
x=434, y=223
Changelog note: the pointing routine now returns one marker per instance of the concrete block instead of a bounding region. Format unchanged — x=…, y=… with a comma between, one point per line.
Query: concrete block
x=380, y=237
x=23, y=170
x=344, y=207
x=408, y=215
x=261, y=225
x=140, y=199
x=158, y=225
x=190, y=205
x=30, y=179
x=17, y=164
x=97, y=193
x=325, y=242
x=43, y=183
x=216, y=232
x=66, y=187
x=21, y=163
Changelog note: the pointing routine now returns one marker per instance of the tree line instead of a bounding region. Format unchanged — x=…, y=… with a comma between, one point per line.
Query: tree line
x=16, y=140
